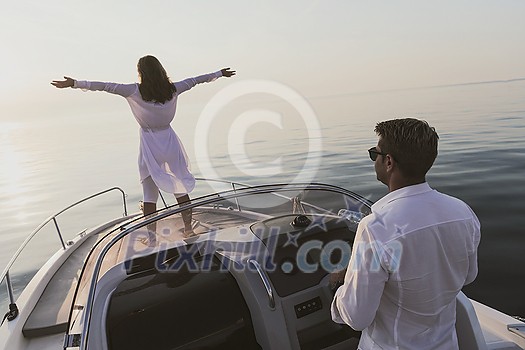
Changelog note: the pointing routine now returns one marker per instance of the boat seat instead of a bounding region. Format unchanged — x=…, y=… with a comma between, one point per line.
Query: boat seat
x=470, y=336
x=179, y=309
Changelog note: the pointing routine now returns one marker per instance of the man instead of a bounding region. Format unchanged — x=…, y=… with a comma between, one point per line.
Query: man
x=412, y=255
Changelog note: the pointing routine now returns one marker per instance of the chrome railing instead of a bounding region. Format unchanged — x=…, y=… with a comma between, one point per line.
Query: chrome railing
x=13, y=311
x=297, y=201
x=265, y=281
x=231, y=183
x=234, y=186
x=239, y=185
x=227, y=182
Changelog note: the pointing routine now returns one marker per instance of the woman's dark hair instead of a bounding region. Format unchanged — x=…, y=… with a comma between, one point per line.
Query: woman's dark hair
x=411, y=142
x=155, y=85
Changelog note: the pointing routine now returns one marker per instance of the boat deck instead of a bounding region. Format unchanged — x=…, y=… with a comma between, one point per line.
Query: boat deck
x=51, y=312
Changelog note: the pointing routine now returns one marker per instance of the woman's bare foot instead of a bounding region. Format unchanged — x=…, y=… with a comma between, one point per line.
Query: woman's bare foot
x=150, y=241
x=188, y=232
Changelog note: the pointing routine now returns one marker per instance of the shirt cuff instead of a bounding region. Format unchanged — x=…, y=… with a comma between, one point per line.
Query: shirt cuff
x=81, y=84
x=334, y=311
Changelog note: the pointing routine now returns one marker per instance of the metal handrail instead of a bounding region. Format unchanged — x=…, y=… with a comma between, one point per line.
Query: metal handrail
x=265, y=281
x=518, y=329
x=5, y=273
x=231, y=183
x=234, y=183
x=244, y=185
x=205, y=200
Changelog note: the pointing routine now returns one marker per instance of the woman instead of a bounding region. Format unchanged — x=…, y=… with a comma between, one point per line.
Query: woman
x=163, y=163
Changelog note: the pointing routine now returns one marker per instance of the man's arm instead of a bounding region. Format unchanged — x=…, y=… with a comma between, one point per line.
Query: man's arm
x=357, y=300
x=473, y=256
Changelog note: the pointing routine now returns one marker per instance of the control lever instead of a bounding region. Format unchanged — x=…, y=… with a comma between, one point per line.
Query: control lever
x=301, y=221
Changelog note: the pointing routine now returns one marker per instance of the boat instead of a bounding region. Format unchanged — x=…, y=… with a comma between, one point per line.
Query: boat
x=256, y=275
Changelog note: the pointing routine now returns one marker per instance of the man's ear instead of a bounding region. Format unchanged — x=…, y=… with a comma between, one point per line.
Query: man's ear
x=390, y=162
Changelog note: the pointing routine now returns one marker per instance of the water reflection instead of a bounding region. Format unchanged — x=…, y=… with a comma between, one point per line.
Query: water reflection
x=13, y=173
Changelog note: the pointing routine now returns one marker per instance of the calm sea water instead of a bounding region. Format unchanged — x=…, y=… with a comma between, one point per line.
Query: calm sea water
x=51, y=161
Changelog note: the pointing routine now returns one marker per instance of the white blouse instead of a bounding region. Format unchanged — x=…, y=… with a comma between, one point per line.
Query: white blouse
x=410, y=259
x=161, y=154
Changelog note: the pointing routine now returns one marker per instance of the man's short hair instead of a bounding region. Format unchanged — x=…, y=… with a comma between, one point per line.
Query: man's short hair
x=411, y=142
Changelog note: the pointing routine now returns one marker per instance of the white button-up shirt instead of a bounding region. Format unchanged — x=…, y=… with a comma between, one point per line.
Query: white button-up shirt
x=410, y=259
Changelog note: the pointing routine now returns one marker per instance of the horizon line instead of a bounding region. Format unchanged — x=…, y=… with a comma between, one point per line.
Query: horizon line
x=421, y=88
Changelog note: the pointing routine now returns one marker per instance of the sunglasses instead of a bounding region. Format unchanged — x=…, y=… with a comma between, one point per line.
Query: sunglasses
x=373, y=153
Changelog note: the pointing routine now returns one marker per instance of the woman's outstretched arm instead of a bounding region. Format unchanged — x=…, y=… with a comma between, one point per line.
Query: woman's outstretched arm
x=61, y=84
x=123, y=90
x=227, y=72
x=187, y=84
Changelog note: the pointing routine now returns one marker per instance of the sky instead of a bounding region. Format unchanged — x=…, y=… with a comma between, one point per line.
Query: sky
x=318, y=48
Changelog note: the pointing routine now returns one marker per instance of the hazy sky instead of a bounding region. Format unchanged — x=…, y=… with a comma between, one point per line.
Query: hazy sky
x=318, y=48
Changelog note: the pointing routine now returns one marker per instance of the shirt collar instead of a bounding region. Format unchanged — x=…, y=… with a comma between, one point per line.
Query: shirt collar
x=401, y=193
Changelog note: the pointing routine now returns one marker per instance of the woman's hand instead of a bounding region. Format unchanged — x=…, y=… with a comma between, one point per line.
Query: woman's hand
x=226, y=72
x=68, y=82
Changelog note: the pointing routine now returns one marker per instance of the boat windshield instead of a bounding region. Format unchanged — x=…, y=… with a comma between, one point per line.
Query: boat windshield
x=221, y=223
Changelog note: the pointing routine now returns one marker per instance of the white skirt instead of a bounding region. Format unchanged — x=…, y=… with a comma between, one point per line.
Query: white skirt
x=162, y=156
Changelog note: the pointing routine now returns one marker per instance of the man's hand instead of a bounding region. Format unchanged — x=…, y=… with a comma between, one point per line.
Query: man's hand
x=61, y=84
x=226, y=72
x=337, y=278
